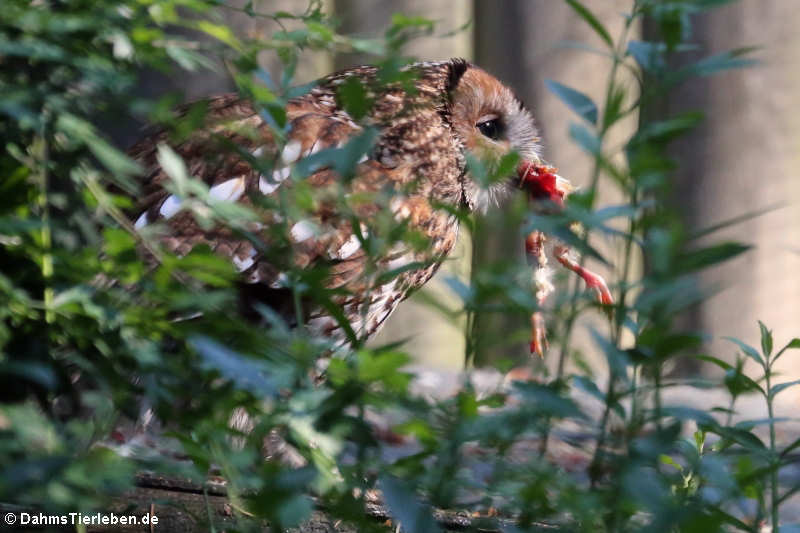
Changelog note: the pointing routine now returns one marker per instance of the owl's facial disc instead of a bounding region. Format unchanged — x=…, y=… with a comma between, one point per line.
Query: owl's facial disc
x=491, y=122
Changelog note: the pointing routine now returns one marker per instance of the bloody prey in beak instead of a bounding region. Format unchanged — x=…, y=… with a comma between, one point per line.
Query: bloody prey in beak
x=543, y=185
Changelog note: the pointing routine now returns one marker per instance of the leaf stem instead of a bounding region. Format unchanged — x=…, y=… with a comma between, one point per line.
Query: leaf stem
x=46, y=231
x=773, y=476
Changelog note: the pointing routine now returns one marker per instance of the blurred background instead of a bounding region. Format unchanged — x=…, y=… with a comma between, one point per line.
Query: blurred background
x=744, y=158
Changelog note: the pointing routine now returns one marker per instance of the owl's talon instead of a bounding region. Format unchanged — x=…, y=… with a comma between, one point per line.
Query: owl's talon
x=592, y=280
x=538, y=334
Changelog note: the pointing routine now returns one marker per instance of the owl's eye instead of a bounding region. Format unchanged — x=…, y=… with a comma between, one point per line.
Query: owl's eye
x=491, y=128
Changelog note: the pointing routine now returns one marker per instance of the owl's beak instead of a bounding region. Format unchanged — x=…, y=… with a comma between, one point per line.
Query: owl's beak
x=541, y=182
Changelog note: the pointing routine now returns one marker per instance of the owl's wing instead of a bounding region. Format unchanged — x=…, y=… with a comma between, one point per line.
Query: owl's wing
x=322, y=235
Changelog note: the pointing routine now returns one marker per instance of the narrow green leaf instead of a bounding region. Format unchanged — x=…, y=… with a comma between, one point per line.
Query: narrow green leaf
x=766, y=339
x=742, y=437
x=730, y=519
x=667, y=130
x=575, y=100
x=733, y=221
x=699, y=259
x=791, y=447
x=667, y=460
x=218, y=31
x=748, y=350
x=547, y=400
x=719, y=362
x=353, y=97
x=793, y=344
x=589, y=17
x=173, y=165
x=405, y=507
x=587, y=139
x=783, y=386
x=247, y=374
x=590, y=387
x=118, y=163
x=719, y=62
x=649, y=56
x=687, y=413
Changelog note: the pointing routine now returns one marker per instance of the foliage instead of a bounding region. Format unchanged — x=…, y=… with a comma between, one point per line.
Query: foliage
x=91, y=332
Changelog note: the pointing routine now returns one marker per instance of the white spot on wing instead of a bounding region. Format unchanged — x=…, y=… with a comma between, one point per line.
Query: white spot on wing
x=291, y=152
x=399, y=207
x=302, y=231
x=280, y=174
x=170, y=206
x=399, y=262
x=281, y=281
x=316, y=147
x=229, y=191
x=266, y=187
x=350, y=246
x=141, y=221
x=243, y=264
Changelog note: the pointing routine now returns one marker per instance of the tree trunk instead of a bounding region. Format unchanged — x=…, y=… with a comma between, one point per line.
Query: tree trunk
x=746, y=156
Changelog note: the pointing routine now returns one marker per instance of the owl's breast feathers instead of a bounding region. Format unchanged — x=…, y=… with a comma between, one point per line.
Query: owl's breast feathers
x=416, y=160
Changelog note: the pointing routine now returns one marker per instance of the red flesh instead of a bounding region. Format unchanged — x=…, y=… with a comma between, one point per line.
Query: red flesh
x=540, y=181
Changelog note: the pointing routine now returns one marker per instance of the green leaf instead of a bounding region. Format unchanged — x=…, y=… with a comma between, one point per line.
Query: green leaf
x=667, y=130
x=547, y=400
x=667, y=460
x=405, y=507
x=790, y=448
x=218, y=31
x=585, y=138
x=120, y=165
x=687, y=413
x=694, y=260
x=742, y=437
x=793, y=344
x=590, y=387
x=377, y=366
x=733, y=221
x=352, y=96
x=618, y=360
x=766, y=340
x=589, y=17
x=575, y=100
x=717, y=63
x=504, y=168
x=748, y=350
x=728, y=518
x=649, y=56
x=783, y=386
x=714, y=360
x=246, y=374
x=173, y=165
x=737, y=382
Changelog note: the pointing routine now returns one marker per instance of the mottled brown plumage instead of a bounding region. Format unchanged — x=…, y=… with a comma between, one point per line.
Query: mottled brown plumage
x=415, y=167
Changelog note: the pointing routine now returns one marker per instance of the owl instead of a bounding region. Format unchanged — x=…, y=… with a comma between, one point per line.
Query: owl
x=403, y=158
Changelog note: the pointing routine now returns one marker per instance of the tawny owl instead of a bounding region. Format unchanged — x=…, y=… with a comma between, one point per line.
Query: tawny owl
x=413, y=169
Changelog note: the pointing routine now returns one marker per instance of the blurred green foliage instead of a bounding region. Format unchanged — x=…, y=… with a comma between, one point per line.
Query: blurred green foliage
x=89, y=333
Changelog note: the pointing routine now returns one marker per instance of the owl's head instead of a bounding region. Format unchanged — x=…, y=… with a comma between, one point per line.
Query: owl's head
x=490, y=121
